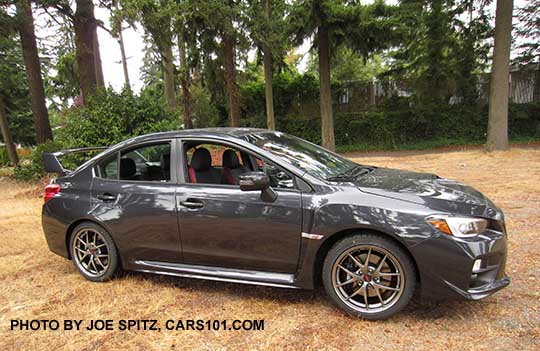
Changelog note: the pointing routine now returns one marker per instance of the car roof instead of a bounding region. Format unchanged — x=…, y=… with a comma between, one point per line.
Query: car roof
x=201, y=132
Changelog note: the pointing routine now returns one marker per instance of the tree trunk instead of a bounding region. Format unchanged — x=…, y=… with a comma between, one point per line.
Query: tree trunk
x=84, y=24
x=168, y=75
x=230, y=77
x=185, y=82
x=6, y=135
x=536, y=91
x=97, y=60
x=497, y=138
x=327, y=120
x=124, y=60
x=33, y=72
x=267, y=62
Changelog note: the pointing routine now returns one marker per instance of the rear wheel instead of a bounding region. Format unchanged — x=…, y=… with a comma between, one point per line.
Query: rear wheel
x=369, y=276
x=93, y=252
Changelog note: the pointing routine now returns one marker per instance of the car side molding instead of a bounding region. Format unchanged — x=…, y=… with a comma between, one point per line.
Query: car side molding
x=280, y=280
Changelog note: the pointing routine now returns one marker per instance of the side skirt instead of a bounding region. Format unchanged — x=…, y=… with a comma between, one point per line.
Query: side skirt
x=280, y=280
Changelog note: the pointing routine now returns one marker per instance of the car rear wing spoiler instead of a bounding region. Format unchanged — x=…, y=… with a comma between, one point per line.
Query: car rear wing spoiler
x=52, y=163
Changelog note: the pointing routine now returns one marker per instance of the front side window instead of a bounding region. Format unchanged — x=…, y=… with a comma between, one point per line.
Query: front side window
x=278, y=177
x=209, y=163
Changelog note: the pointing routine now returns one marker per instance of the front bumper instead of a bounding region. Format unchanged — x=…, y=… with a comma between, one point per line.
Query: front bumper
x=445, y=265
x=483, y=291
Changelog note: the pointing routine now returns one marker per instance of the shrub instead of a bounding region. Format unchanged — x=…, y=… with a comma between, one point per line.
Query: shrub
x=109, y=117
x=106, y=119
x=4, y=159
x=31, y=169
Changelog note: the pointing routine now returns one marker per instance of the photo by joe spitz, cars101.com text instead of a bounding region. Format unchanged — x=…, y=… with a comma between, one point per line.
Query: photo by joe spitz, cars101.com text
x=260, y=207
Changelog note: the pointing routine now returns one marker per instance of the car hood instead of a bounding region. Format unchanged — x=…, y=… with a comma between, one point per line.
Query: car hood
x=428, y=189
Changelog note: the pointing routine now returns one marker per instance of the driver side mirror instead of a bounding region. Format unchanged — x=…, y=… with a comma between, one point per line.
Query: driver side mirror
x=252, y=181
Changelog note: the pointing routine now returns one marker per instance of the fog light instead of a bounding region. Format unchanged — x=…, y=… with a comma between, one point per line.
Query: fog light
x=477, y=266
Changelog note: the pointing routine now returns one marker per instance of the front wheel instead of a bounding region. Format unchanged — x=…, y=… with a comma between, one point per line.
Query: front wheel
x=93, y=252
x=369, y=276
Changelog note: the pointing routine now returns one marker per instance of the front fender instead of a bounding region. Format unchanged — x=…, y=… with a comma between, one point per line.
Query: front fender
x=331, y=214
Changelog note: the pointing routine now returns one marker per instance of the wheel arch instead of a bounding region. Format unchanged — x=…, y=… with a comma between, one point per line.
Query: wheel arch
x=334, y=238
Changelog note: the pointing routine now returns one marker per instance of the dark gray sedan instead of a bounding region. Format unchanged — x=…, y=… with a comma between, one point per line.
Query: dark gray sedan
x=261, y=207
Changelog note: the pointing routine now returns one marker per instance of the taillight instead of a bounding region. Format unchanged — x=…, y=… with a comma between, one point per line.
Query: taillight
x=50, y=191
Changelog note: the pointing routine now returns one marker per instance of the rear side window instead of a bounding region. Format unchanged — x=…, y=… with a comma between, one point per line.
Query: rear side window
x=108, y=168
x=147, y=163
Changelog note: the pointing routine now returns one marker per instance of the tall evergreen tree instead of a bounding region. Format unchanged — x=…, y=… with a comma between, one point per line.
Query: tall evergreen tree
x=497, y=138
x=90, y=71
x=528, y=48
x=218, y=28
x=266, y=23
x=267, y=57
x=156, y=19
x=33, y=71
x=6, y=134
x=14, y=88
x=8, y=82
x=364, y=28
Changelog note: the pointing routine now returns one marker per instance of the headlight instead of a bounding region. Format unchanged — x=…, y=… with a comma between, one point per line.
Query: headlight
x=462, y=227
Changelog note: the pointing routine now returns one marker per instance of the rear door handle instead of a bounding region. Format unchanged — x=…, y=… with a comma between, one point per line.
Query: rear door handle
x=106, y=197
x=193, y=204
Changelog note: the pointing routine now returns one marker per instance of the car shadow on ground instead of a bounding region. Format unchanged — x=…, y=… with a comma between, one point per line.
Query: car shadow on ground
x=418, y=308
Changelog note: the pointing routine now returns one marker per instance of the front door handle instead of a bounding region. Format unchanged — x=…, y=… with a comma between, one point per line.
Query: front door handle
x=193, y=204
x=107, y=197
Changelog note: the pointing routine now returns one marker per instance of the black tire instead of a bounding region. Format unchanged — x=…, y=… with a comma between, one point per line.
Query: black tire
x=374, y=288
x=109, y=265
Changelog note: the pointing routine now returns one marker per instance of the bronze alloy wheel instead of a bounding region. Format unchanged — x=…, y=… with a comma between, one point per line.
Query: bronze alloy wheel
x=368, y=278
x=369, y=275
x=93, y=252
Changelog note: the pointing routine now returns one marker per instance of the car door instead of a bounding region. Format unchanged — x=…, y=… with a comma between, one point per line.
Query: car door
x=134, y=196
x=221, y=225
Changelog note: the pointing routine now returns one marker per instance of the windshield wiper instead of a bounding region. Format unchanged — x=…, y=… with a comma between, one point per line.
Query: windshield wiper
x=352, y=173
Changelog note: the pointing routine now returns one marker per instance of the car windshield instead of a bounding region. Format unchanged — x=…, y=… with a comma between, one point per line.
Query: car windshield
x=308, y=157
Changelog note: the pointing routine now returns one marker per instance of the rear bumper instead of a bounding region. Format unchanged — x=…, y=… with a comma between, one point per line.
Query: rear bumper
x=55, y=231
x=446, y=263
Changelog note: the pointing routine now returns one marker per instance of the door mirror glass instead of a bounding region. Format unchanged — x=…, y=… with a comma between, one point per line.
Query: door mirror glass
x=254, y=181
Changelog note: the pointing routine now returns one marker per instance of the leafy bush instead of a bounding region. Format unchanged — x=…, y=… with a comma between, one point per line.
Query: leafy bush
x=32, y=168
x=109, y=117
x=4, y=159
x=106, y=119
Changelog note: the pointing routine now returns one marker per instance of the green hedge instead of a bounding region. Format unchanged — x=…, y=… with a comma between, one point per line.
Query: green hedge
x=110, y=117
x=400, y=121
x=395, y=125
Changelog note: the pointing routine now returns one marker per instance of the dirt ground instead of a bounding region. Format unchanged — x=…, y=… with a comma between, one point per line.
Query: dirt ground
x=36, y=284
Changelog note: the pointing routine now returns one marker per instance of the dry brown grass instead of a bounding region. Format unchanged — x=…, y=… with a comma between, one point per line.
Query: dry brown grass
x=36, y=284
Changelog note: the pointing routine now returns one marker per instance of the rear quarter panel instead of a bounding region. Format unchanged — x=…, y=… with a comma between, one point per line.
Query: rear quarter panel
x=66, y=208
